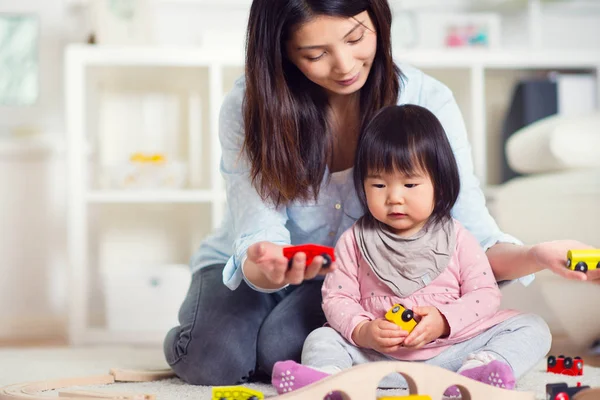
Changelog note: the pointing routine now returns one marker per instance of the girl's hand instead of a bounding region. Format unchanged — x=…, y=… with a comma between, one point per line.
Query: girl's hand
x=268, y=259
x=553, y=256
x=431, y=326
x=380, y=335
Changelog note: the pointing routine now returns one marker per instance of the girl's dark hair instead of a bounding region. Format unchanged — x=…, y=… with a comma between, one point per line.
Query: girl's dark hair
x=405, y=139
x=287, y=138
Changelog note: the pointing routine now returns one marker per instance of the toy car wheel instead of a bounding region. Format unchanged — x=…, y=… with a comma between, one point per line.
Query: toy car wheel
x=326, y=260
x=568, y=363
x=581, y=267
x=568, y=263
x=551, y=361
x=598, y=265
x=407, y=315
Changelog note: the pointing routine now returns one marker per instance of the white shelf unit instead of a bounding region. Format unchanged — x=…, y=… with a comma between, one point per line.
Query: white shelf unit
x=481, y=80
x=95, y=208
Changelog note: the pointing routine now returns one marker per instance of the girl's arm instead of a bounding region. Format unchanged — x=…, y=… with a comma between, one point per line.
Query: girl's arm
x=479, y=293
x=341, y=290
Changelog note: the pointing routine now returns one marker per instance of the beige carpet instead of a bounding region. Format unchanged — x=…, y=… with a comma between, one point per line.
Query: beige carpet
x=32, y=364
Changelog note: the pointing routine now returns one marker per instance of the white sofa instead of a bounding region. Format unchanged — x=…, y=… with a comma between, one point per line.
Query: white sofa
x=560, y=199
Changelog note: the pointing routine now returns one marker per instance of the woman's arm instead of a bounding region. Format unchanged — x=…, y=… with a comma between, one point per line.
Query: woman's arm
x=508, y=257
x=253, y=220
x=259, y=228
x=511, y=261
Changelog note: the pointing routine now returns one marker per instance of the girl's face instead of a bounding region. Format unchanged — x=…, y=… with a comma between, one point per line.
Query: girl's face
x=335, y=53
x=404, y=203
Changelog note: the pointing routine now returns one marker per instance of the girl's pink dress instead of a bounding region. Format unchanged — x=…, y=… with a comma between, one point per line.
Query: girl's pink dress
x=466, y=293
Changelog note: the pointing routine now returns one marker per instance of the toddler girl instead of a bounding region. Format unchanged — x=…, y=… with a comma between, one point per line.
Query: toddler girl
x=408, y=249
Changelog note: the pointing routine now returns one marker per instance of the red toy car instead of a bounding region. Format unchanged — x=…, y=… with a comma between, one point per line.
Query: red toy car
x=311, y=250
x=562, y=391
x=565, y=365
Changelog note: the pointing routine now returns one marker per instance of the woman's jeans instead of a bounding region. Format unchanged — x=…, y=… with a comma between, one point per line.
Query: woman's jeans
x=225, y=337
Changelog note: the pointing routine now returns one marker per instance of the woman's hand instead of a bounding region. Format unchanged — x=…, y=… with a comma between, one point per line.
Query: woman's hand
x=267, y=268
x=380, y=335
x=553, y=256
x=431, y=326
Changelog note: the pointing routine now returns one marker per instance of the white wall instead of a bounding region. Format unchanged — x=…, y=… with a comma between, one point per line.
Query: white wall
x=33, y=287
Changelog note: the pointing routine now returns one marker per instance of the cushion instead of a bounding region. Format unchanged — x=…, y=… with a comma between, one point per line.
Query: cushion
x=556, y=143
x=544, y=207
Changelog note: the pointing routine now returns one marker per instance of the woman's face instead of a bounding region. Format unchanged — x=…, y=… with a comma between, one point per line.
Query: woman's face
x=335, y=53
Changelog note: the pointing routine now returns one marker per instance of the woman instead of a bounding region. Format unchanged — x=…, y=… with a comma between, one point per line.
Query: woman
x=316, y=72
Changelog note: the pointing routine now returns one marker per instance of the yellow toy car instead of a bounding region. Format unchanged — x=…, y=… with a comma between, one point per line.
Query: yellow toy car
x=235, y=393
x=401, y=317
x=582, y=260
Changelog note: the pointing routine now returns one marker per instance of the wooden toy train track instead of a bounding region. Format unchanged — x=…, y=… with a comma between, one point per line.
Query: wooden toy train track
x=357, y=383
x=34, y=390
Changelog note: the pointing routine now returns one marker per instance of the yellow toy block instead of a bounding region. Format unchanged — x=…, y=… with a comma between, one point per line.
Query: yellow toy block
x=583, y=260
x=401, y=317
x=235, y=393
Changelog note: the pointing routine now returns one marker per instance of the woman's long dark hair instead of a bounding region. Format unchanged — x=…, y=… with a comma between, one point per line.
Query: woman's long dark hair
x=408, y=138
x=287, y=138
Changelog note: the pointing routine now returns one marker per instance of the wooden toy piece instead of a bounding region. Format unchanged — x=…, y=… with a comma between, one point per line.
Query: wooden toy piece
x=360, y=383
x=583, y=260
x=31, y=390
x=130, y=375
x=401, y=317
x=562, y=391
x=588, y=394
x=311, y=251
x=565, y=365
x=42, y=386
x=235, y=393
x=104, y=395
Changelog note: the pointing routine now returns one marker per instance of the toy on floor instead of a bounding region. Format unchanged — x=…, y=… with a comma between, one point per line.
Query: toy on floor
x=402, y=317
x=33, y=390
x=235, y=393
x=583, y=260
x=562, y=391
x=311, y=251
x=565, y=365
x=361, y=381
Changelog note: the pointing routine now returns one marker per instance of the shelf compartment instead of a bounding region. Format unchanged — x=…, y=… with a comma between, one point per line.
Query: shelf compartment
x=125, y=239
x=154, y=196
